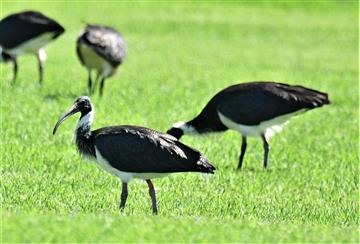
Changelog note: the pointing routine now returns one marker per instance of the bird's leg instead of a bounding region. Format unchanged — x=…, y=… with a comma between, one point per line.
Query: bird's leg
x=89, y=82
x=102, y=86
x=152, y=195
x=41, y=57
x=15, y=69
x=266, y=150
x=242, y=153
x=41, y=72
x=124, y=194
x=96, y=82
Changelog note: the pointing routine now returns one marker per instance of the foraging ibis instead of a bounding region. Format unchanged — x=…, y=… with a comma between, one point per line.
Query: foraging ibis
x=256, y=109
x=102, y=49
x=131, y=151
x=27, y=32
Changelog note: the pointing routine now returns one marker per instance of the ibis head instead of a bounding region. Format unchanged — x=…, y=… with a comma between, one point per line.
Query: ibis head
x=175, y=132
x=182, y=128
x=82, y=104
x=4, y=57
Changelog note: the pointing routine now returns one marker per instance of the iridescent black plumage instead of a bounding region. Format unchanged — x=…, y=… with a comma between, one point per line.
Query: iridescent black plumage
x=132, y=151
x=27, y=32
x=102, y=49
x=253, y=109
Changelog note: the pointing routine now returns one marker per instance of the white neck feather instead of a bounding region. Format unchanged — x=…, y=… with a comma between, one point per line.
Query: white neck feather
x=186, y=128
x=87, y=120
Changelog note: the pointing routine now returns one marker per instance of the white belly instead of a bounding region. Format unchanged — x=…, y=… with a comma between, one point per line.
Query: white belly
x=267, y=128
x=31, y=46
x=124, y=176
x=92, y=60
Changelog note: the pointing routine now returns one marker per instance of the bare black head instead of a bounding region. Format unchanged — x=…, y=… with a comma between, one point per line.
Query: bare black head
x=83, y=106
x=175, y=132
x=4, y=57
x=181, y=128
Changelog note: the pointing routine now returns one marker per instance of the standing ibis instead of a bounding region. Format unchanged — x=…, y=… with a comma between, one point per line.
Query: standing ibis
x=256, y=109
x=131, y=151
x=27, y=32
x=102, y=49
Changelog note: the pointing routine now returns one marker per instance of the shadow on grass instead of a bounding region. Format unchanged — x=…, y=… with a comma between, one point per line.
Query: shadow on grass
x=264, y=171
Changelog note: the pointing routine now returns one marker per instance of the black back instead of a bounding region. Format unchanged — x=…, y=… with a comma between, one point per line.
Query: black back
x=18, y=28
x=255, y=102
x=142, y=150
x=105, y=41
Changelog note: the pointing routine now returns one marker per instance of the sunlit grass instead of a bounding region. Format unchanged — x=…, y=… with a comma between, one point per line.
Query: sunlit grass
x=179, y=56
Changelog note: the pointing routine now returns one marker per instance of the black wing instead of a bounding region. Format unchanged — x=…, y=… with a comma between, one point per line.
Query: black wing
x=78, y=51
x=142, y=150
x=105, y=41
x=252, y=103
x=21, y=27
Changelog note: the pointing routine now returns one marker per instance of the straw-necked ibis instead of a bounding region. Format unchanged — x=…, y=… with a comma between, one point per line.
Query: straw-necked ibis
x=27, y=32
x=102, y=49
x=255, y=109
x=131, y=151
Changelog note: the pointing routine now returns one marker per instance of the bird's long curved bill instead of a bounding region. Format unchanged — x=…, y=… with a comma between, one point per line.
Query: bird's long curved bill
x=74, y=109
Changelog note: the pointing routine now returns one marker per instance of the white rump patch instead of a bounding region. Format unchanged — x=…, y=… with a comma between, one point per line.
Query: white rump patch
x=187, y=129
x=269, y=127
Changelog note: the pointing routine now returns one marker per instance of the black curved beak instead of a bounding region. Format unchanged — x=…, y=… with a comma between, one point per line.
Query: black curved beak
x=73, y=110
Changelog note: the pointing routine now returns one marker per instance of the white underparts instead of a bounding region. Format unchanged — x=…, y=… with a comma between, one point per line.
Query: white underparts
x=92, y=60
x=86, y=120
x=124, y=176
x=269, y=127
x=186, y=128
x=32, y=45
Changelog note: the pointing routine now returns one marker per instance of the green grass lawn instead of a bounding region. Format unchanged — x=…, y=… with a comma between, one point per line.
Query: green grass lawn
x=179, y=56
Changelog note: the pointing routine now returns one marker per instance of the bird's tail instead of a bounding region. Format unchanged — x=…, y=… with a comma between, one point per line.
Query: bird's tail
x=310, y=97
x=317, y=98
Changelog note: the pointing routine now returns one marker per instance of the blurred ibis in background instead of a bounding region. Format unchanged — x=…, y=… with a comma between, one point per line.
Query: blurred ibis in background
x=255, y=109
x=27, y=32
x=102, y=49
x=131, y=151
